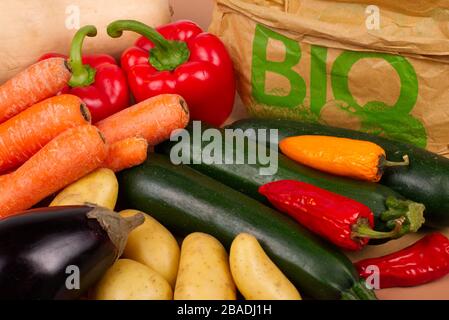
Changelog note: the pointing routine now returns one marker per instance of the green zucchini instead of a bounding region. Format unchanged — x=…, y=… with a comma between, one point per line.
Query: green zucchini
x=387, y=205
x=425, y=180
x=187, y=201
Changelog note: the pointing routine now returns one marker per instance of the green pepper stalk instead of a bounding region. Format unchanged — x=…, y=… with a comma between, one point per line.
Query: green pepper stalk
x=166, y=55
x=82, y=75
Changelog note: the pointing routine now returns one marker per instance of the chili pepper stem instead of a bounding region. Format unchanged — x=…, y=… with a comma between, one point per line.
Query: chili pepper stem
x=82, y=75
x=412, y=212
x=166, y=55
x=402, y=216
x=363, y=230
x=406, y=162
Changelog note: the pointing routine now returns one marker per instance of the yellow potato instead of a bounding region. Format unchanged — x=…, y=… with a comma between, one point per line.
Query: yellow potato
x=99, y=187
x=153, y=245
x=131, y=280
x=255, y=275
x=204, y=270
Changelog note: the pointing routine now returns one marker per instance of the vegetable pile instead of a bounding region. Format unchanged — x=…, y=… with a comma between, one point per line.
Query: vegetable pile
x=73, y=149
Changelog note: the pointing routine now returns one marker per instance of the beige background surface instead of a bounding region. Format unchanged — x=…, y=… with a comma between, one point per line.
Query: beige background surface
x=200, y=11
x=197, y=10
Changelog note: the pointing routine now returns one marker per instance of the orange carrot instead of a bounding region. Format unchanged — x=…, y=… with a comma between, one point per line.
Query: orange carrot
x=126, y=154
x=153, y=119
x=3, y=177
x=65, y=159
x=40, y=81
x=25, y=134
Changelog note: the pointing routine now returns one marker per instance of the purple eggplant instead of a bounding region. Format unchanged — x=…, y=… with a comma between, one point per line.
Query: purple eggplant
x=59, y=252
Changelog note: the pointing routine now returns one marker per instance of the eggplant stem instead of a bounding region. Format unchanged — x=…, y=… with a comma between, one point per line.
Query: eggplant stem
x=116, y=226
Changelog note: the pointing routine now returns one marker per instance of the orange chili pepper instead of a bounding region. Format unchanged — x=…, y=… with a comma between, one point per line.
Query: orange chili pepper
x=362, y=160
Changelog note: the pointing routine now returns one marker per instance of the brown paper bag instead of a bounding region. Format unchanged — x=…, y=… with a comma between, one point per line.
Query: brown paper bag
x=377, y=66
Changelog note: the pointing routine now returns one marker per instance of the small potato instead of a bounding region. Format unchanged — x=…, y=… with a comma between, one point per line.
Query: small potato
x=255, y=275
x=204, y=270
x=154, y=246
x=99, y=187
x=131, y=280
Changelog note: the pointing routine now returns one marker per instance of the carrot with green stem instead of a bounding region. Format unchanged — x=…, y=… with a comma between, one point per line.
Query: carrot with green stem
x=26, y=133
x=40, y=81
x=126, y=153
x=65, y=159
x=153, y=119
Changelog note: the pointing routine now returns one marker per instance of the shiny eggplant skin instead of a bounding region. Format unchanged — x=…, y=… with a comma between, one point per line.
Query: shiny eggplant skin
x=36, y=248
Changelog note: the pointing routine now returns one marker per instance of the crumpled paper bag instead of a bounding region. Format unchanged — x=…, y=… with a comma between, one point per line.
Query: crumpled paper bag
x=378, y=66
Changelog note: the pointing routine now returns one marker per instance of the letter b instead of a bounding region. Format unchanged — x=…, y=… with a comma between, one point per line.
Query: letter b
x=261, y=65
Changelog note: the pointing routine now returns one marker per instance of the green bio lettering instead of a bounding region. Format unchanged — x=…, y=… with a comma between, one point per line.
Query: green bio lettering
x=318, y=79
x=261, y=65
x=377, y=117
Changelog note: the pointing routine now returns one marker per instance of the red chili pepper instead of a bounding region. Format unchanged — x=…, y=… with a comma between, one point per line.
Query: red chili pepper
x=96, y=79
x=180, y=58
x=424, y=261
x=342, y=221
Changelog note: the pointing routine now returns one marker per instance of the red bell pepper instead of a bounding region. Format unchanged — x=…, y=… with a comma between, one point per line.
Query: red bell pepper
x=422, y=262
x=342, y=221
x=96, y=79
x=180, y=58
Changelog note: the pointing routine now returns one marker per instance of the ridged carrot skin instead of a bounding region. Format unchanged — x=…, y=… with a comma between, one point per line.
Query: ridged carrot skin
x=153, y=119
x=126, y=154
x=4, y=177
x=65, y=159
x=362, y=160
x=40, y=81
x=26, y=133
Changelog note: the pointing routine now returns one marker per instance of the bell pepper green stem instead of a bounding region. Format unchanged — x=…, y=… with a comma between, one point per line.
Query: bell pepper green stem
x=82, y=75
x=166, y=55
x=406, y=162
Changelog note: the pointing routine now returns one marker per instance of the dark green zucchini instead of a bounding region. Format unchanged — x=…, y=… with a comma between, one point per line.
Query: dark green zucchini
x=387, y=205
x=187, y=201
x=425, y=180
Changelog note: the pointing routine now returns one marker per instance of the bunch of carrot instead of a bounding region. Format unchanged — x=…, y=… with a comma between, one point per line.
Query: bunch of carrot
x=47, y=141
